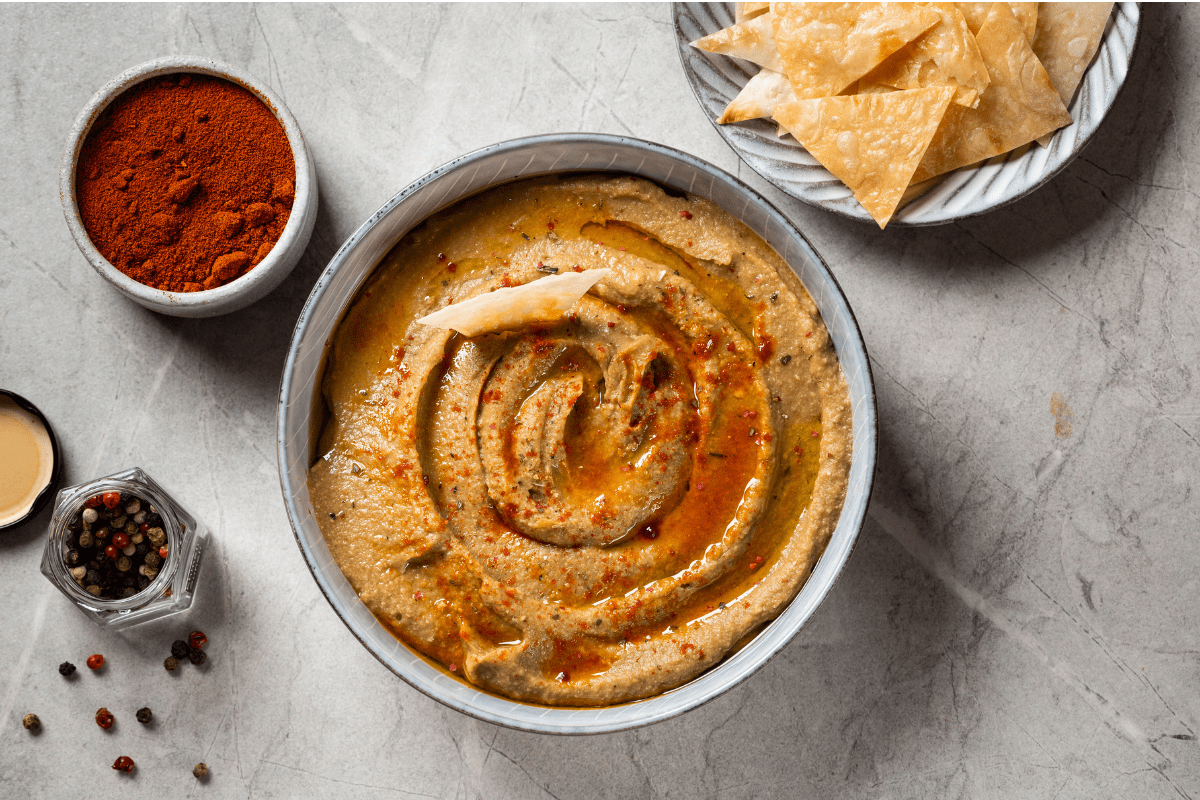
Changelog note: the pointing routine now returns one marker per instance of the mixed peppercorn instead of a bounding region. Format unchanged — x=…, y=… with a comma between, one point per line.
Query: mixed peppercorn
x=115, y=545
x=189, y=648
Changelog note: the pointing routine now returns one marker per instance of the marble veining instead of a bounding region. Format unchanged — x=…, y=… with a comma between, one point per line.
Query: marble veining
x=1020, y=617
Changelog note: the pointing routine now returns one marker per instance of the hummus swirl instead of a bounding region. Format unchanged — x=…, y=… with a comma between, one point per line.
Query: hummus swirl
x=594, y=508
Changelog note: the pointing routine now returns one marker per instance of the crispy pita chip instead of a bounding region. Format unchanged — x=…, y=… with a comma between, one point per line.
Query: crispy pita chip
x=827, y=46
x=747, y=11
x=871, y=142
x=752, y=40
x=759, y=97
x=1019, y=105
x=1068, y=35
x=545, y=299
x=1026, y=14
x=945, y=55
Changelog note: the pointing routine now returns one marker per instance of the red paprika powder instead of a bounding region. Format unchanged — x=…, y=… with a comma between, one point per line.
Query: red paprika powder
x=185, y=182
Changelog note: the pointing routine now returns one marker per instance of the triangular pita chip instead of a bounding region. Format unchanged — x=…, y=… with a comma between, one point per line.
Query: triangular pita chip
x=871, y=142
x=1019, y=105
x=759, y=97
x=542, y=300
x=747, y=11
x=1067, y=37
x=945, y=55
x=827, y=46
x=1026, y=14
x=752, y=40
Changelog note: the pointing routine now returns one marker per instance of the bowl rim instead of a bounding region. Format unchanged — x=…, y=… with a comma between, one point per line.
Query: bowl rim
x=293, y=236
x=856, y=212
x=56, y=468
x=869, y=453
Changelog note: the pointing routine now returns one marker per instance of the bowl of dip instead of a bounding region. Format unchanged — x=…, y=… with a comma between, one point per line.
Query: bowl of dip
x=31, y=467
x=316, y=473
x=214, y=213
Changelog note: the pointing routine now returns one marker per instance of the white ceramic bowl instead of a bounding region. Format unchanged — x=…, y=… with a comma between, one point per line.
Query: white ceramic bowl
x=269, y=272
x=965, y=192
x=501, y=163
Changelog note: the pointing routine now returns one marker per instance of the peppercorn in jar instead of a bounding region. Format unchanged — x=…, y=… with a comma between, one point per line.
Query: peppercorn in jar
x=123, y=550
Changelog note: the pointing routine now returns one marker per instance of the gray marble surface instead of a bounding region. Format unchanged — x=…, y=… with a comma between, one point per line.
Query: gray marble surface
x=1021, y=617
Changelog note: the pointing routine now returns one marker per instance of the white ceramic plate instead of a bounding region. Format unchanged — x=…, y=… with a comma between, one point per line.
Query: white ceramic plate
x=472, y=173
x=717, y=79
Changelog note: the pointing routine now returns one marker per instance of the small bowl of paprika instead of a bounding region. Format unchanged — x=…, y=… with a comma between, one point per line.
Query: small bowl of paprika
x=187, y=185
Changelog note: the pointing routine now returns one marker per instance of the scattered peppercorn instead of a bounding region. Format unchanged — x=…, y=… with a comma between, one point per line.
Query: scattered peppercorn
x=66, y=669
x=124, y=764
x=197, y=657
x=200, y=770
x=31, y=722
x=197, y=640
x=95, y=661
x=179, y=648
x=171, y=663
x=104, y=718
x=111, y=499
x=144, y=715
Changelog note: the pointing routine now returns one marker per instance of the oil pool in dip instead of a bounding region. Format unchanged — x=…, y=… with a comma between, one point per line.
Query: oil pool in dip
x=598, y=507
x=26, y=460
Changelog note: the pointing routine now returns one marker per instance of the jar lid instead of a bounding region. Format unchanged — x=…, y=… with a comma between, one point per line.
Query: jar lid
x=33, y=463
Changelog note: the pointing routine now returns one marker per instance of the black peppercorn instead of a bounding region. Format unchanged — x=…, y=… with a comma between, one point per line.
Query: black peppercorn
x=179, y=648
x=171, y=663
x=200, y=770
x=93, y=576
x=72, y=557
x=197, y=657
x=31, y=722
x=66, y=669
x=144, y=715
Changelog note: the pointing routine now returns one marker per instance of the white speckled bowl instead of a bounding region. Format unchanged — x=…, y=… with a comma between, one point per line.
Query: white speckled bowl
x=269, y=272
x=497, y=164
x=965, y=192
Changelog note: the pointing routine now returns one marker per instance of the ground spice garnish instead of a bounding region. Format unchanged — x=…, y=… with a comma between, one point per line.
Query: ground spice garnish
x=185, y=182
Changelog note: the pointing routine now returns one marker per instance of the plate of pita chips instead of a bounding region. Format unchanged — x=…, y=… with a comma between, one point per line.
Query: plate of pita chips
x=906, y=113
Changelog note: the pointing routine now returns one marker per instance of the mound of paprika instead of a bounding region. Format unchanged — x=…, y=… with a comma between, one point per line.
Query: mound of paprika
x=185, y=182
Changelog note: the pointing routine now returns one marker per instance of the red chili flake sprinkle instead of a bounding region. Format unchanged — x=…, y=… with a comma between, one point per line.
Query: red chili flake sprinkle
x=815, y=433
x=104, y=719
x=452, y=267
x=92, y=501
x=417, y=595
x=685, y=214
x=612, y=324
x=577, y=268
x=124, y=764
x=454, y=667
x=649, y=531
x=622, y=248
x=441, y=256
x=699, y=487
x=550, y=225
x=749, y=414
x=197, y=639
x=808, y=334
x=95, y=661
x=111, y=499
x=756, y=563
x=689, y=242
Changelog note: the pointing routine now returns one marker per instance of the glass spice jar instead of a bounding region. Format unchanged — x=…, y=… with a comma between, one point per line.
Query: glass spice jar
x=170, y=591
